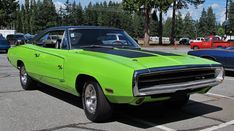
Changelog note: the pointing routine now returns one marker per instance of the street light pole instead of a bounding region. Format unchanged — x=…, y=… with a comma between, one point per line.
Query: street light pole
x=226, y=16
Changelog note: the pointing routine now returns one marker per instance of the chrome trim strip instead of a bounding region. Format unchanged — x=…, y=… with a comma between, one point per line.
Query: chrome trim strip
x=177, y=87
x=228, y=69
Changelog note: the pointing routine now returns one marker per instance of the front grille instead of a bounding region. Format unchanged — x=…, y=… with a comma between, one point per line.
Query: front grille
x=174, y=77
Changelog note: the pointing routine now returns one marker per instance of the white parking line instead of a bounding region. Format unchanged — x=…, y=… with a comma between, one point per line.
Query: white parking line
x=219, y=126
x=218, y=95
x=229, y=78
x=164, y=128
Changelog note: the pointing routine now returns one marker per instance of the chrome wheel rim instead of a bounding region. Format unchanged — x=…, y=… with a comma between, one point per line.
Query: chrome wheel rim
x=23, y=76
x=90, y=98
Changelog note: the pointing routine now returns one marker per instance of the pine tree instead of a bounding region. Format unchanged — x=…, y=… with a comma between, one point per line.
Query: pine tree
x=189, y=29
x=179, y=25
x=8, y=13
x=202, y=27
x=231, y=19
x=211, y=21
x=27, y=17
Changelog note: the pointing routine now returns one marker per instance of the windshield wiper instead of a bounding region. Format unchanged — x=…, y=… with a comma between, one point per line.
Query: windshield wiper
x=128, y=47
x=97, y=46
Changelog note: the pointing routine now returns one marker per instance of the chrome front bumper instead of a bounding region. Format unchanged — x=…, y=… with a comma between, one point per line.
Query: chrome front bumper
x=174, y=87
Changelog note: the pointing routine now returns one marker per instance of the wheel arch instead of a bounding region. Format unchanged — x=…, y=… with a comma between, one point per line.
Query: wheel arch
x=19, y=63
x=80, y=81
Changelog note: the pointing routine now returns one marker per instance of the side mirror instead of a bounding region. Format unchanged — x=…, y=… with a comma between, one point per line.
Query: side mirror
x=136, y=40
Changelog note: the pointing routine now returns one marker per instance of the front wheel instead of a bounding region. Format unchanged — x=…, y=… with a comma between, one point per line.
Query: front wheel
x=195, y=47
x=26, y=81
x=96, y=106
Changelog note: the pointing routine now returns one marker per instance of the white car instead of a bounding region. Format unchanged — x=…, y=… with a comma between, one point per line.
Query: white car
x=198, y=39
x=155, y=39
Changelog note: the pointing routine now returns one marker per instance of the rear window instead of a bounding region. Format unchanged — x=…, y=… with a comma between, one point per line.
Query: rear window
x=2, y=38
x=13, y=37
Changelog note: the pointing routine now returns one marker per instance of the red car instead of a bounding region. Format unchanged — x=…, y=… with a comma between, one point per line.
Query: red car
x=211, y=42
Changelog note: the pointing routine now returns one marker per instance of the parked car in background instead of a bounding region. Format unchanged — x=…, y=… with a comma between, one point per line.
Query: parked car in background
x=198, y=39
x=155, y=40
x=223, y=56
x=83, y=63
x=211, y=42
x=7, y=32
x=28, y=37
x=14, y=39
x=228, y=38
x=4, y=45
x=113, y=38
x=184, y=41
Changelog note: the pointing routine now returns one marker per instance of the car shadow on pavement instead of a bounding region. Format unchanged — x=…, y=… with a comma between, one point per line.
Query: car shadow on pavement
x=144, y=116
x=64, y=96
x=154, y=114
x=1, y=52
x=229, y=73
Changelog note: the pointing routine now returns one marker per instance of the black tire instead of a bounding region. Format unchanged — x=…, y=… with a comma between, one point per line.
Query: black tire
x=195, y=47
x=6, y=51
x=26, y=81
x=103, y=110
x=177, y=102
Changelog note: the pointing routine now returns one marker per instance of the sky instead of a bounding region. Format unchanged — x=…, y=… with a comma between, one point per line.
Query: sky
x=217, y=5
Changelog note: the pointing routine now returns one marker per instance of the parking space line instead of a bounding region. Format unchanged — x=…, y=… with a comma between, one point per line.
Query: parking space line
x=164, y=128
x=218, y=95
x=219, y=126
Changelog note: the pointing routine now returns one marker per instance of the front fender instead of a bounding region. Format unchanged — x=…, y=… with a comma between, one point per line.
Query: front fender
x=109, y=74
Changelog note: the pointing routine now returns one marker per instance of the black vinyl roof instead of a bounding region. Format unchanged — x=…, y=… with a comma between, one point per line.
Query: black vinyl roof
x=81, y=27
x=71, y=27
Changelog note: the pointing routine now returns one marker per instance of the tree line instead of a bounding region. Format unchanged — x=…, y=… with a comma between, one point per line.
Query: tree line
x=140, y=18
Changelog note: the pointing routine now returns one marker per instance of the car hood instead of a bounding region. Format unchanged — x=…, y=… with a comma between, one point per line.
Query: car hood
x=141, y=59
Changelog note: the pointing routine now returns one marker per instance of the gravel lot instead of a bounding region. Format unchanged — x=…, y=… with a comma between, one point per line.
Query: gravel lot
x=50, y=109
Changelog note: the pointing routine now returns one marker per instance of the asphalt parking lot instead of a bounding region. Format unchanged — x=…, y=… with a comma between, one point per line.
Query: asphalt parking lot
x=48, y=109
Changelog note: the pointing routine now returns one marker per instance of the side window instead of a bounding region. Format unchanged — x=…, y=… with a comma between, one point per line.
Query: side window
x=41, y=41
x=207, y=39
x=216, y=39
x=75, y=37
x=53, y=39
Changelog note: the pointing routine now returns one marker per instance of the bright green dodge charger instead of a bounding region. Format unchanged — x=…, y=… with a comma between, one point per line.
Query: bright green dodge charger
x=106, y=66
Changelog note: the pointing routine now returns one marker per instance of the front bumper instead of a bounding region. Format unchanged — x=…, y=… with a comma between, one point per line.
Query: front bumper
x=174, y=87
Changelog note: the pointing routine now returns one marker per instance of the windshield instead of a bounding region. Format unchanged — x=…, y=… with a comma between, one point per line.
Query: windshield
x=207, y=39
x=101, y=37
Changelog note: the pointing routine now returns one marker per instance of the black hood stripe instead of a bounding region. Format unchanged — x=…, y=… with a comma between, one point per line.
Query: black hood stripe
x=120, y=52
x=160, y=53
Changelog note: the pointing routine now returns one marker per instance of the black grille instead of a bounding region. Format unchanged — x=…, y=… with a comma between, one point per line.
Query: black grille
x=174, y=77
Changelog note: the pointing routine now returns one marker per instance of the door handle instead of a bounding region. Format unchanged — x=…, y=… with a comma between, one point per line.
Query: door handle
x=60, y=67
x=37, y=55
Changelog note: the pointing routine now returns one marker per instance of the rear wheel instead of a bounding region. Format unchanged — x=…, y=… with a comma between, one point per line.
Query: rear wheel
x=26, y=81
x=96, y=106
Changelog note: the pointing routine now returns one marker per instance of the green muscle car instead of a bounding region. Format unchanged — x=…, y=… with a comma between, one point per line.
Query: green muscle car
x=106, y=66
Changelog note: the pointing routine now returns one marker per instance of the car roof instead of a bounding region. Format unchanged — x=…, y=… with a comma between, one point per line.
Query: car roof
x=81, y=27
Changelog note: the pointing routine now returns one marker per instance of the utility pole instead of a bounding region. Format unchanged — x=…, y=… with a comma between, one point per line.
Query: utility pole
x=226, y=16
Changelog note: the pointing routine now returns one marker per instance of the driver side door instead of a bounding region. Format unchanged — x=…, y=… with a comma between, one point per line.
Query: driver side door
x=50, y=58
